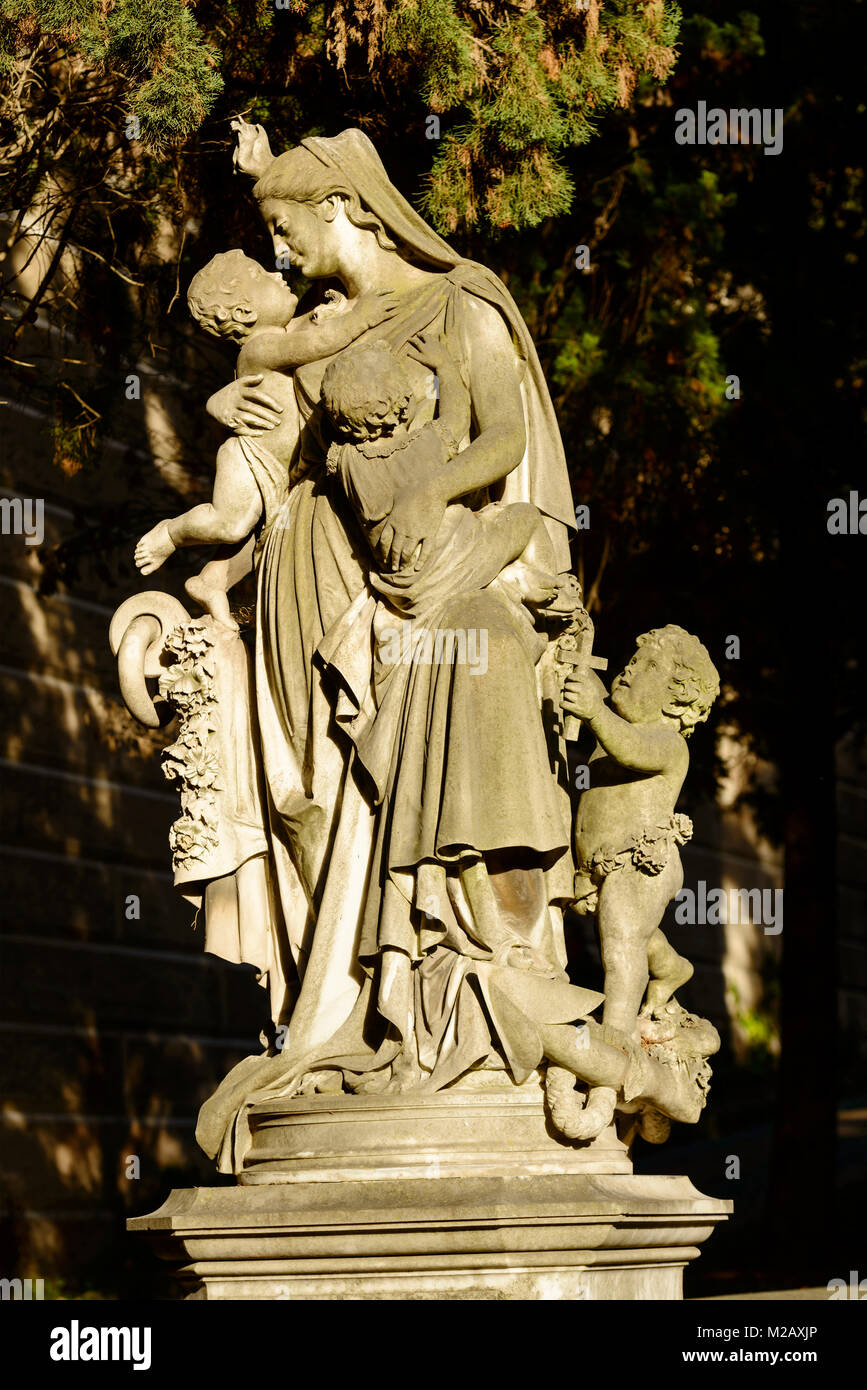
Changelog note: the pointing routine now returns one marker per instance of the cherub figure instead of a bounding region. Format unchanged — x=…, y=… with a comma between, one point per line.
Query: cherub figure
x=235, y=298
x=626, y=829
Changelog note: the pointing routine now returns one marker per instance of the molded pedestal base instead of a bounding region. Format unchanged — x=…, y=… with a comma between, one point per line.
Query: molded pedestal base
x=571, y=1236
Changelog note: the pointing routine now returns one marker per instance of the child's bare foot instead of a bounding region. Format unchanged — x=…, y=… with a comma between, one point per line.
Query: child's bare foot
x=534, y=585
x=567, y=597
x=660, y=990
x=154, y=547
x=214, y=601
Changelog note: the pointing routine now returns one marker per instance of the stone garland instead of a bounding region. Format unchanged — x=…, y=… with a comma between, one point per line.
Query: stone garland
x=191, y=760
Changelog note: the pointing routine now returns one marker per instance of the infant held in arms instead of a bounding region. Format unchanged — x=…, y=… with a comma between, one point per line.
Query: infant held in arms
x=379, y=454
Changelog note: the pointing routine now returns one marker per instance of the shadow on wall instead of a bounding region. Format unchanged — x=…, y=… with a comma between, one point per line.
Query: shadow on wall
x=114, y=1024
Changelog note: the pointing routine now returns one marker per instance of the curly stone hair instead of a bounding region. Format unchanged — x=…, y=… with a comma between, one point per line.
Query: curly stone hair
x=364, y=385
x=218, y=297
x=695, y=682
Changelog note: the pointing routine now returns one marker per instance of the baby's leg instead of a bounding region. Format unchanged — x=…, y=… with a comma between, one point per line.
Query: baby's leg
x=210, y=587
x=531, y=566
x=630, y=906
x=668, y=971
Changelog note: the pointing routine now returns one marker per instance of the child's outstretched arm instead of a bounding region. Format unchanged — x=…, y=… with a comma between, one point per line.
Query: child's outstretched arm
x=228, y=519
x=642, y=747
x=305, y=340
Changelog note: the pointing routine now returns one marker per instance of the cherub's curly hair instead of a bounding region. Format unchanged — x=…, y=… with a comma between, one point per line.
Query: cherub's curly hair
x=695, y=683
x=365, y=384
x=218, y=298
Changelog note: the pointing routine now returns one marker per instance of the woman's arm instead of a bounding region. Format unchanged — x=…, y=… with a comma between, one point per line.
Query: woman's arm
x=498, y=407
x=497, y=449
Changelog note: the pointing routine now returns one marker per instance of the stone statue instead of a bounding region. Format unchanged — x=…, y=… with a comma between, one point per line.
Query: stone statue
x=375, y=798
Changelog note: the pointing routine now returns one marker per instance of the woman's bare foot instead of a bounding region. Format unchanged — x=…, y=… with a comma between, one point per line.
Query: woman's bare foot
x=154, y=548
x=520, y=956
x=214, y=601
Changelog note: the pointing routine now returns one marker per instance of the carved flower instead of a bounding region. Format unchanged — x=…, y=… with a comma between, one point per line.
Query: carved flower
x=682, y=828
x=190, y=840
x=651, y=854
x=199, y=808
x=190, y=639
x=604, y=861
x=184, y=685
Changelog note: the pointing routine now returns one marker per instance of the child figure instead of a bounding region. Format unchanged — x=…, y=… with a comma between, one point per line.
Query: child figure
x=370, y=403
x=626, y=829
x=236, y=298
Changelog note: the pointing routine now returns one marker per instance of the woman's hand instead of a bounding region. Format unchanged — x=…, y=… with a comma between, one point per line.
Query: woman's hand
x=244, y=408
x=415, y=517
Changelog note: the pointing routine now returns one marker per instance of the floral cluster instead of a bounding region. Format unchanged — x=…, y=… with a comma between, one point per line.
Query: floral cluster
x=651, y=853
x=191, y=761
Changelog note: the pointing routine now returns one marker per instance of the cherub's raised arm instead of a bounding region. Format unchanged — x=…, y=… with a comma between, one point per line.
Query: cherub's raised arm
x=229, y=519
x=637, y=746
x=641, y=747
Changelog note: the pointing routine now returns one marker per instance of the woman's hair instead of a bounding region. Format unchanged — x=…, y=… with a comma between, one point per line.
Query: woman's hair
x=298, y=177
x=365, y=385
x=695, y=679
x=219, y=296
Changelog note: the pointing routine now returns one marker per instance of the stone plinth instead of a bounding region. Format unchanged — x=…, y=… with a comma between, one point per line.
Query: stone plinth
x=453, y=1133
x=457, y=1195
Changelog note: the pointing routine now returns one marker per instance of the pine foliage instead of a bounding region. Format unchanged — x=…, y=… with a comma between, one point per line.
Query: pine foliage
x=155, y=52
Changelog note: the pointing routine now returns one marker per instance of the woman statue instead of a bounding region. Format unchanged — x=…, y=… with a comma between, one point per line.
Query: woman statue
x=419, y=817
x=392, y=820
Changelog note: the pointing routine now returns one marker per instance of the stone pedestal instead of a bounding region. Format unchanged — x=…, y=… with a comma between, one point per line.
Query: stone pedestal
x=458, y=1195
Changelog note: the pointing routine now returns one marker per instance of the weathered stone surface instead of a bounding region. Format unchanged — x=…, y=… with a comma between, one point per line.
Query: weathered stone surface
x=498, y=1130
x=570, y=1236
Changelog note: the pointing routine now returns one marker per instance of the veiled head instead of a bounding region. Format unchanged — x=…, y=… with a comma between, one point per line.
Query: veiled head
x=308, y=209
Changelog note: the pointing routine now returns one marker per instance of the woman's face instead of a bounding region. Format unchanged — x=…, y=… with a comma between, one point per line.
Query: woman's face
x=302, y=235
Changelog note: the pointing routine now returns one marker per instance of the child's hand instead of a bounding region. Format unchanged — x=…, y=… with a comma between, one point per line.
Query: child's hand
x=374, y=307
x=425, y=348
x=154, y=548
x=583, y=693
x=252, y=154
